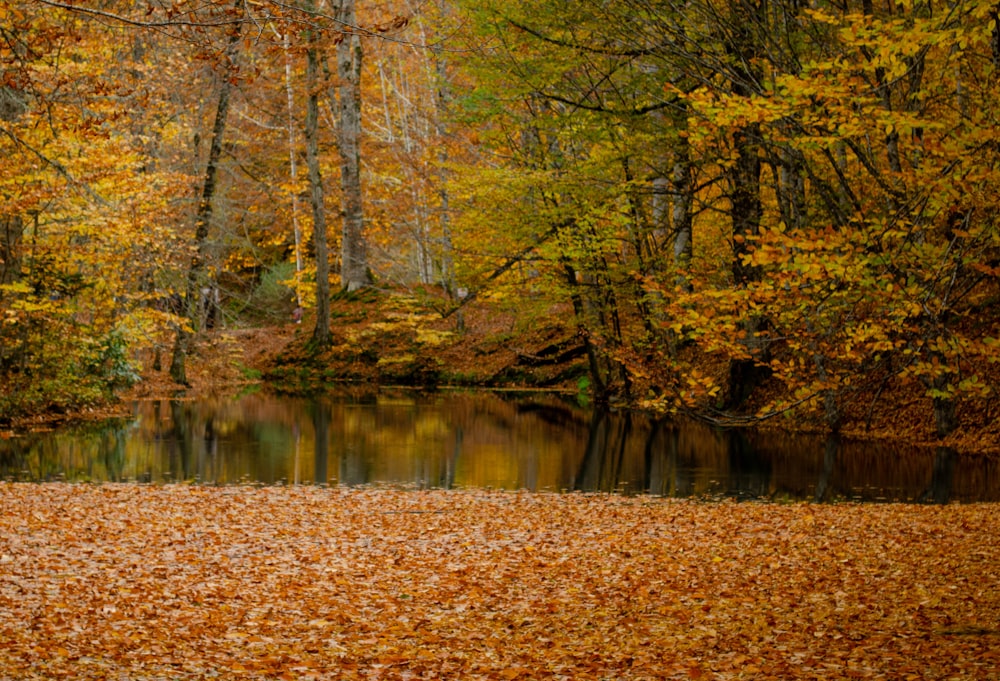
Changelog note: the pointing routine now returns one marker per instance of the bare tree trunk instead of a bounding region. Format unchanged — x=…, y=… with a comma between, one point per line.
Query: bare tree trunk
x=293, y=170
x=441, y=132
x=321, y=333
x=354, y=258
x=683, y=191
x=178, y=371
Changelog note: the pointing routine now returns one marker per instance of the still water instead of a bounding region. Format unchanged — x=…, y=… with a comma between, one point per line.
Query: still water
x=482, y=440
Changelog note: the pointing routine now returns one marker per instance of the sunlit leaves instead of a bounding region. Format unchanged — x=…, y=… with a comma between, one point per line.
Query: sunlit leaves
x=528, y=151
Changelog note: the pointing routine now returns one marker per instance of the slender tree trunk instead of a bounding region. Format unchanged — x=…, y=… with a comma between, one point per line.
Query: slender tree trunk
x=683, y=190
x=11, y=226
x=599, y=375
x=178, y=369
x=660, y=214
x=11, y=231
x=354, y=259
x=441, y=132
x=293, y=170
x=640, y=231
x=791, y=187
x=745, y=202
x=321, y=333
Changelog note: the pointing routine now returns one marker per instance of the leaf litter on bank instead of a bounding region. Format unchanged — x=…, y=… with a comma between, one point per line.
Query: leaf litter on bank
x=151, y=582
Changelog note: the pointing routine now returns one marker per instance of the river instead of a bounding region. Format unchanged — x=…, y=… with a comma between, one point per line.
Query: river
x=483, y=440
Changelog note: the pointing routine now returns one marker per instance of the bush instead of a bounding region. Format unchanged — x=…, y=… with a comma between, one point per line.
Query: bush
x=272, y=300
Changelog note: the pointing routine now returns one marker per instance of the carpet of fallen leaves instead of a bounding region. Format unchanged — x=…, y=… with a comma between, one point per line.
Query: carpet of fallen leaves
x=179, y=582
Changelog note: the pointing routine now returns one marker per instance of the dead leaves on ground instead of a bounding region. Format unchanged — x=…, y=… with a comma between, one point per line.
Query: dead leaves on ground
x=178, y=582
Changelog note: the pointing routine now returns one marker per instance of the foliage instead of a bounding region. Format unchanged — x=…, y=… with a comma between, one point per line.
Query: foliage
x=110, y=364
x=838, y=164
x=304, y=582
x=747, y=210
x=273, y=299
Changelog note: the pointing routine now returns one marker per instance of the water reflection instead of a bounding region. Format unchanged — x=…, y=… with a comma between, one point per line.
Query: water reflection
x=483, y=440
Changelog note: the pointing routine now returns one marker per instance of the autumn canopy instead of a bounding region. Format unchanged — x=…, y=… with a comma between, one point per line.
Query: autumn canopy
x=734, y=209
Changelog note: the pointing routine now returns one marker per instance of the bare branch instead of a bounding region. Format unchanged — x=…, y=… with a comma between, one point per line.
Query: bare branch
x=167, y=23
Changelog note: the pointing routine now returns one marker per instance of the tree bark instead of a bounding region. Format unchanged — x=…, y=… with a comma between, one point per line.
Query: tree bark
x=321, y=333
x=683, y=191
x=354, y=272
x=995, y=36
x=791, y=187
x=441, y=132
x=746, y=373
x=11, y=231
x=293, y=171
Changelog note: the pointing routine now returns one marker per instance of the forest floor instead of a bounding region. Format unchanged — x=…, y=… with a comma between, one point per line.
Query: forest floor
x=392, y=339
x=121, y=581
x=396, y=342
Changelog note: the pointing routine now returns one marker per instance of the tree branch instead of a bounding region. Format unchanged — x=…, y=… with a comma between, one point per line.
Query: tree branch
x=135, y=22
x=503, y=269
x=643, y=52
x=637, y=111
x=59, y=167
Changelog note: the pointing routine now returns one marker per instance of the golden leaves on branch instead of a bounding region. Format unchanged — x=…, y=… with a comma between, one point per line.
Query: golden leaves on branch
x=241, y=582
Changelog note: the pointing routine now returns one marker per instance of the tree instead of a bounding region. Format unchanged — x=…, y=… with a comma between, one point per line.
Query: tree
x=85, y=210
x=321, y=333
x=354, y=272
x=193, y=298
x=773, y=108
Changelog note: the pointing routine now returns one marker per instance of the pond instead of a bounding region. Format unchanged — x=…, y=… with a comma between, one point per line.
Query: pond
x=483, y=440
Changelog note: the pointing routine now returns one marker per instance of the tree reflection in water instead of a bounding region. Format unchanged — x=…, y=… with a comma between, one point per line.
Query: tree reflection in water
x=484, y=440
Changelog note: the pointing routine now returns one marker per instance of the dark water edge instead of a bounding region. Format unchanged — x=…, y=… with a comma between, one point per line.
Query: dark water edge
x=484, y=440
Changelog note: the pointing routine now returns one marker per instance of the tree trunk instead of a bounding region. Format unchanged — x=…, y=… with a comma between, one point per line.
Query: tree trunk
x=746, y=373
x=354, y=259
x=791, y=187
x=945, y=416
x=945, y=412
x=178, y=371
x=441, y=132
x=293, y=171
x=683, y=191
x=995, y=36
x=11, y=231
x=11, y=226
x=321, y=333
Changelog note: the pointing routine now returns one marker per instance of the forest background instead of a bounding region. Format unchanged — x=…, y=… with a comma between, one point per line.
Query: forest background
x=746, y=211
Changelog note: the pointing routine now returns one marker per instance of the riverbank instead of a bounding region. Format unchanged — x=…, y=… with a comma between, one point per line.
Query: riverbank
x=145, y=582
x=381, y=339
x=387, y=340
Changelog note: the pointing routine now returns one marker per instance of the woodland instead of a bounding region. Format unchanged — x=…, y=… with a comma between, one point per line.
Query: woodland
x=750, y=212
x=746, y=211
